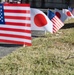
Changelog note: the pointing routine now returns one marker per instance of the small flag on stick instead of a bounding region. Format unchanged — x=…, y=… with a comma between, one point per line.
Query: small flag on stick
x=40, y=21
x=60, y=14
x=57, y=23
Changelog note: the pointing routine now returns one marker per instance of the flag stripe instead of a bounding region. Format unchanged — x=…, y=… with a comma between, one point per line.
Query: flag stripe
x=15, y=39
x=16, y=33
x=20, y=5
x=16, y=14
x=57, y=24
x=16, y=8
x=59, y=21
x=17, y=11
x=54, y=24
x=15, y=42
x=15, y=30
x=15, y=27
x=17, y=17
x=54, y=30
x=16, y=36
x=18, y=24
x=18, y=21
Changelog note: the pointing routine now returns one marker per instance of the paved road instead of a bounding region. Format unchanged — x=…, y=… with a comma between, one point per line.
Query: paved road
x=7, y=48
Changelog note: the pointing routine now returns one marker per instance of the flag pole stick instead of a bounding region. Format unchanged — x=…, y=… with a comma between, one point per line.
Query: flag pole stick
x=25, y=25
x=24, y=45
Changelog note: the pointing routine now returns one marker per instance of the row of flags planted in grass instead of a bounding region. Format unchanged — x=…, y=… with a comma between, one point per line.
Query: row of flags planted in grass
x=17, y=21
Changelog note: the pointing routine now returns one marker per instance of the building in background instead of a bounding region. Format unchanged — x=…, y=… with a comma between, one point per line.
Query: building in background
x=72, y=3
x=45, y=4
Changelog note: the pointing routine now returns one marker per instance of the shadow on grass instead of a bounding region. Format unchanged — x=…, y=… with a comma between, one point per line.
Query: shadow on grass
x=9, y=45
x=69, y=25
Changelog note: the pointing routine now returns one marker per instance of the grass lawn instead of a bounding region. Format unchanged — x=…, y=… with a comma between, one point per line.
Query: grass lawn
x=52, y=54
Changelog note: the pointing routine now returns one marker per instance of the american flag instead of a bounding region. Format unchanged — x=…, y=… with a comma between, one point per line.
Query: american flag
x=57, y=23
x=15, y=24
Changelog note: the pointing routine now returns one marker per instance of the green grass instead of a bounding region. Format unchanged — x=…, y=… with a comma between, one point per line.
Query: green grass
x=49, y=55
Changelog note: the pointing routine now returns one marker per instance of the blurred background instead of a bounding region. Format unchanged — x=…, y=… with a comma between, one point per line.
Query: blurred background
x=45, y=4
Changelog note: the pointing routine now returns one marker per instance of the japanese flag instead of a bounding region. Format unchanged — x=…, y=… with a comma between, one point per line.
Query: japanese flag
x=39, y=21
x=60, y=14
x=68, y=13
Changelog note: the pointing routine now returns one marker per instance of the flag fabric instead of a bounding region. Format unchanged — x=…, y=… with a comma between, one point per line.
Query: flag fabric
x=40, y=21
x=15, y=24
x=71, y=10
x=67, y=13
x=60, y=14
x=57, y=23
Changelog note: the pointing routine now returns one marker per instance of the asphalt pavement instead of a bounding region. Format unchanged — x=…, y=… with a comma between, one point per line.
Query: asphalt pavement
x=6, y=49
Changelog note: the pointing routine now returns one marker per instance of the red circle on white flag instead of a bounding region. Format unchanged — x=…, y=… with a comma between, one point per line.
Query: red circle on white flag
x=40, y=20
x=58, y=14
x=68, y=13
